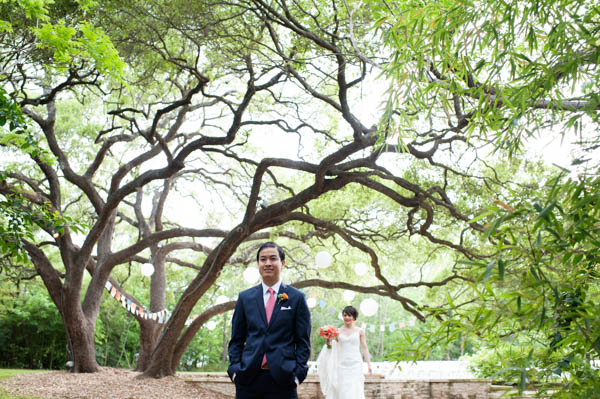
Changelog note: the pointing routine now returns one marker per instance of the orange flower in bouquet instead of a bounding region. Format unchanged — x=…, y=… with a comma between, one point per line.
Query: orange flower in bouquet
x=328, y=332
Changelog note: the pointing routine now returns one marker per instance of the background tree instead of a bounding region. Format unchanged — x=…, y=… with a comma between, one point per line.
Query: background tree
x=512, y=72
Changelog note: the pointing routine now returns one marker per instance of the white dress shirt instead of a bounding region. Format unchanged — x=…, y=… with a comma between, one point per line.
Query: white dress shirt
x=266, y=294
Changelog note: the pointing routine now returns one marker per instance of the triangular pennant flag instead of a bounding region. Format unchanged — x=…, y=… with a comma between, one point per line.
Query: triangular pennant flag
x=108, y=285
x=113, y=291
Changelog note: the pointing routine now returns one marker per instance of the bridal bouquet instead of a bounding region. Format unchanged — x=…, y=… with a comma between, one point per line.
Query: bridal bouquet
x=328, y=332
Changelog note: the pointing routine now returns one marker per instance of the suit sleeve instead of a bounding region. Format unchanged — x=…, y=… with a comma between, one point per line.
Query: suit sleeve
x=302, y=339
x=238, y=338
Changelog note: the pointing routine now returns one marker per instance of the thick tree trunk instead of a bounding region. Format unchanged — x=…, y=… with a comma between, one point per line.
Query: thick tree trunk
x=149, y=333
x=167, y=354
x=80, y=335
x=161, y=364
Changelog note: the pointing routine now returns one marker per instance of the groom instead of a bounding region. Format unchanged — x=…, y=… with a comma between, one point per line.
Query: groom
x=270, y=334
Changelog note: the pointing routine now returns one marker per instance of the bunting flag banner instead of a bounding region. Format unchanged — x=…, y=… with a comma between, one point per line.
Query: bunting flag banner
x=134, y=308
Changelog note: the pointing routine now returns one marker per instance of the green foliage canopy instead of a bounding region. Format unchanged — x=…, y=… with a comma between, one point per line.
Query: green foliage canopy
x=501, y=69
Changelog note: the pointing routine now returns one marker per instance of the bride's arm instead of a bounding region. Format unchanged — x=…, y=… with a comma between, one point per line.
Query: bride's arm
x=365, y=350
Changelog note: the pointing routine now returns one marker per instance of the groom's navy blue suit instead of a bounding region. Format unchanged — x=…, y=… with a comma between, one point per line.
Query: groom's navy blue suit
x=285, y=339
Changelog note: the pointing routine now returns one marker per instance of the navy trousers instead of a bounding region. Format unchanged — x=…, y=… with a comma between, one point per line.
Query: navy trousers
x=264, y=387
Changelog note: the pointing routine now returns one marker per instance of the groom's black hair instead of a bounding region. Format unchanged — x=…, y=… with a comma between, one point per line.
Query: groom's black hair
x=351, y=311
x=271, y=244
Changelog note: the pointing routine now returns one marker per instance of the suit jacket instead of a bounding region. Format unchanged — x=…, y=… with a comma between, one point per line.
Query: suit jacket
x=285, y=340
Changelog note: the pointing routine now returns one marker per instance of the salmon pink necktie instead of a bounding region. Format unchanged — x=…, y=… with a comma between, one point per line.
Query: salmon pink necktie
x=270, y=304
x=269, y=310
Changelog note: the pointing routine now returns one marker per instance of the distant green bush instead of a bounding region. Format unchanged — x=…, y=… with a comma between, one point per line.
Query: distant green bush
x=32, y=335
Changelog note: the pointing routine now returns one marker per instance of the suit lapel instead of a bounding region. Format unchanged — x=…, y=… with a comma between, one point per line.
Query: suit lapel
x=282, y=289
x=260, y=303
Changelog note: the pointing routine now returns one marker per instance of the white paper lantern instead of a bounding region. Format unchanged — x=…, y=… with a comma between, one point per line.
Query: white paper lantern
x=348, y=295
x=211, y=325
x=221, y=299
x=147, y=269
x=251, y=275
x=368, y=307
x=361, y=268
x=323, y=259
x=311, y=302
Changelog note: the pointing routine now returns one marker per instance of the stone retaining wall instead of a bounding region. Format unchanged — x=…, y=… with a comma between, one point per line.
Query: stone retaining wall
x=378, y=388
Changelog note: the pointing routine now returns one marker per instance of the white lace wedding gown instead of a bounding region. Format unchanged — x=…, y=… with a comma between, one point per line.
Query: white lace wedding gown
x=341, y=368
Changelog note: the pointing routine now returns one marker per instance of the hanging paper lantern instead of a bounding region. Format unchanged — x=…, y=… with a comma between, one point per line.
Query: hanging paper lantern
x=147, y=269
x=211, y=325
x=368, y=307
x=323, y=259
x=348, y=295
x=251, y=275
x=361, y=268
x=221, y=299
x=311, y=302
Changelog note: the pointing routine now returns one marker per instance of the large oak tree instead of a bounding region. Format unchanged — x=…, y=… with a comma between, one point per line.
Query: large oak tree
x=215, y=93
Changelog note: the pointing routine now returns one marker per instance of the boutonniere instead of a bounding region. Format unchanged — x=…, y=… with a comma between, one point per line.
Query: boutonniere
x=282, y=297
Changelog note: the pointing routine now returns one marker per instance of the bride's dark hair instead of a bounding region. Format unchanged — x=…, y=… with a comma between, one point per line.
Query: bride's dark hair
x=351, y=311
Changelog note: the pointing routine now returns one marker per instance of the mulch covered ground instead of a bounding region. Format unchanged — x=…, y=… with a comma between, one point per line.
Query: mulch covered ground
x=108, y=383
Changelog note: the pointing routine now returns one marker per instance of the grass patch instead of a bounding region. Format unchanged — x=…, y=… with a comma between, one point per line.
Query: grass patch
x=6, y=373
x=6, y=395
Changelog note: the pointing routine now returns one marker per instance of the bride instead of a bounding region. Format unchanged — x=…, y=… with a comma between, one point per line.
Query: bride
x=340, y=368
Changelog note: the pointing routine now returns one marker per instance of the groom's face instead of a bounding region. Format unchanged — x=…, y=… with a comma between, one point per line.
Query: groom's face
x=270, y=265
